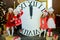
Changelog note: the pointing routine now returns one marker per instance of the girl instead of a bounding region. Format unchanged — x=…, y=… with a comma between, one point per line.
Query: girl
x=43, y=22
x=17, y=19
x=10, y=23
x=51, y=21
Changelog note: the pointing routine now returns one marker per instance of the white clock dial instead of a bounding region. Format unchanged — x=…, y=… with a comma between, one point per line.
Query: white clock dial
x=31, y=26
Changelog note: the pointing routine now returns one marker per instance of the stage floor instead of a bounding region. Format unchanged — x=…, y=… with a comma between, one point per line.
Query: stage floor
x=30, y=38
x=27, y=38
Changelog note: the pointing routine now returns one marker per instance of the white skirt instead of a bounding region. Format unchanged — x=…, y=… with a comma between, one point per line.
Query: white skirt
x=51, y=23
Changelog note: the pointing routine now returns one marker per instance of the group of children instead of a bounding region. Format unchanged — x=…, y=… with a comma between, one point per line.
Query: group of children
x=13, y=20
x=47, y=22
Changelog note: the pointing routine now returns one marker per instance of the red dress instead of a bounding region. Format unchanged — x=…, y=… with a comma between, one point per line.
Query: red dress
x=9, y=18
x=17, y=19
x=43, y=23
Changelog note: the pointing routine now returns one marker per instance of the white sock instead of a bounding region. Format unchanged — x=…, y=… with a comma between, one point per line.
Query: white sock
x=8, y=31
x=44, y=33
x=12, y=31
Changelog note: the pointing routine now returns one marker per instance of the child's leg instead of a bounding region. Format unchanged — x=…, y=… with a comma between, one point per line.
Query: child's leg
x=44, y=32
x=19, y=28
x=12, y=31
x=8, y=31
x=40, y=32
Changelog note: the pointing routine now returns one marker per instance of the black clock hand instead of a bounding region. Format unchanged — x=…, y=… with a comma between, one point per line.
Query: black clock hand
x=31, y=10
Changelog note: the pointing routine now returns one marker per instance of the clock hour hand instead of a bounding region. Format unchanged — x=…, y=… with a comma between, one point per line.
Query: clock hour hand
x=31, y=10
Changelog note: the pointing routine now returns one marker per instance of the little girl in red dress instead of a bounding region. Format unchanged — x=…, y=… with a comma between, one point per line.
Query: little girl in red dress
x=43, y=23
x=10, y=23
x=17, y=19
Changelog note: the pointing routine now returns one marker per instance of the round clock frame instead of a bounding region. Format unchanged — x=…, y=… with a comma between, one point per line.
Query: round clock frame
x=31, y=17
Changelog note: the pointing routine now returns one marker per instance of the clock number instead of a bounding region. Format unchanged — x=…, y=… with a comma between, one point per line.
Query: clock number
x=34, y=32
x=37, y=31
x=40, y=6
x=25, y=5
x=26, y=32
x=22, y=6
x=30, y=33
x=43, y=9
x=35, y=4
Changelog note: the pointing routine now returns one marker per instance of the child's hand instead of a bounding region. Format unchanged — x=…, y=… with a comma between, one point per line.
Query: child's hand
x=21, y=10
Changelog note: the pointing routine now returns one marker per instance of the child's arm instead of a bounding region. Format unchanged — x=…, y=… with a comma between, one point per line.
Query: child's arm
x=20, y=14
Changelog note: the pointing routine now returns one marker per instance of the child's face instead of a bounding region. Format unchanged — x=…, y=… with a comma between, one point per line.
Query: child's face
x=44, y=13
x=10, y=11
x=15, y=12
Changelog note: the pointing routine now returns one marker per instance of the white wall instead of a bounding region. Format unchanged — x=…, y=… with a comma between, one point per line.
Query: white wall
x=49, y=3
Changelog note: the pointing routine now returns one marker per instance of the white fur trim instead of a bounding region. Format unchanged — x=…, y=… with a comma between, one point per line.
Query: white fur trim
x=10, y=9
x=50, y=9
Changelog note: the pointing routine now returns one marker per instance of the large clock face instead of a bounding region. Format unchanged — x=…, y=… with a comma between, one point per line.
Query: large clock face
x=31, y=17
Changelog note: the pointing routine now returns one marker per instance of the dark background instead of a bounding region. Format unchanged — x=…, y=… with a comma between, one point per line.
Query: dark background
x=9, y=3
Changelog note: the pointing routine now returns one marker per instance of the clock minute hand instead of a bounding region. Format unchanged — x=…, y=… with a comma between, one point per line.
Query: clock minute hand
x=31, y=10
